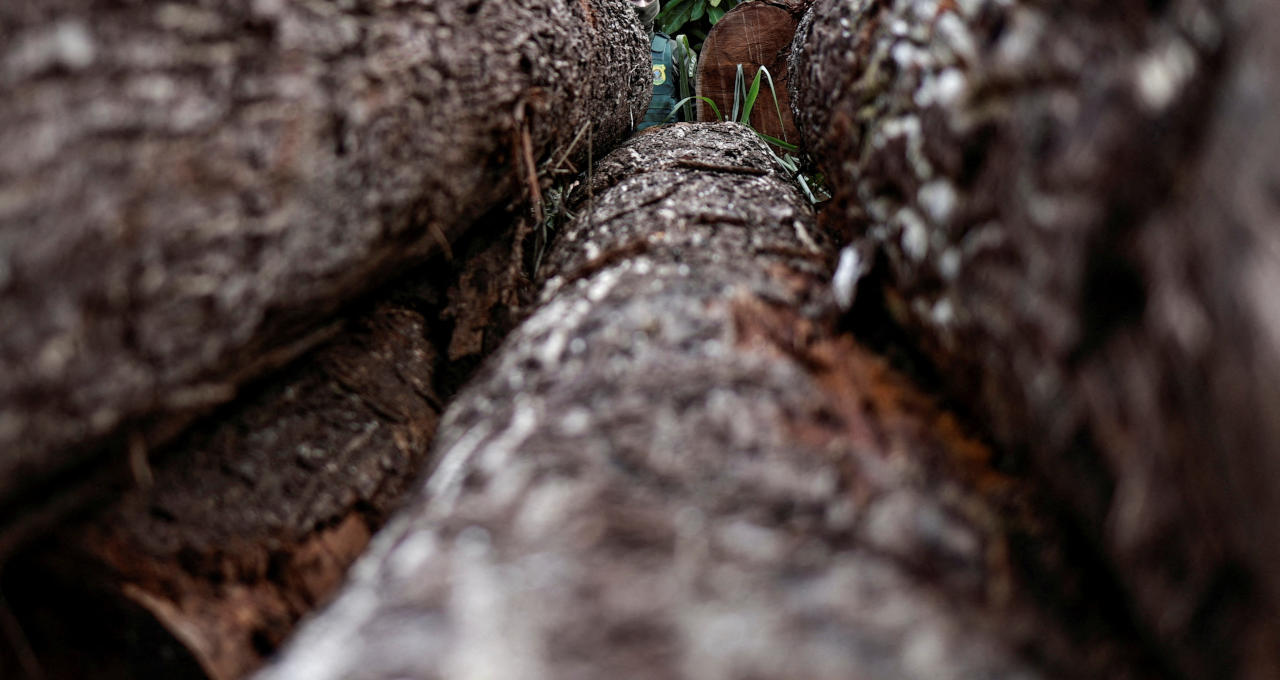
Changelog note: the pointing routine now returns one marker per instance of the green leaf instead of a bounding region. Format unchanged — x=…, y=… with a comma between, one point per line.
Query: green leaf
x=715, y=3
x=688, y=73
x=688, y=59
x=738, y=88
x=778, y=142
x=699, y=8
x=807, y=191
x=669, y=11
x=776, y=106
x=686, y=100
x=751, y=98
x=679, y=18
x=714, y=14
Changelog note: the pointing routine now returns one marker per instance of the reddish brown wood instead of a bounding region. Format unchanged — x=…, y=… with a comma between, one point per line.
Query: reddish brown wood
x=752, y=34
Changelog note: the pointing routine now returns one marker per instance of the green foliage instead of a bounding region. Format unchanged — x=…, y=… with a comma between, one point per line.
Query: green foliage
x=689, y=21
x=744, y=98
x=687, y=100
x=687, y=60
x=812, y=183
x=744, y=101
x=693, y=18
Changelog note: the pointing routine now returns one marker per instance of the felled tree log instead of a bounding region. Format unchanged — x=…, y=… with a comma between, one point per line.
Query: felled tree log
x=252, y=519
x=753, y=34
x=675, y=469
x=186, y=188
x=1073, y=208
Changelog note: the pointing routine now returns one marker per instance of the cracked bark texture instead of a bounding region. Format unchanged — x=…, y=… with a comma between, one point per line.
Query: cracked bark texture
x=674, y=468
x=252, y=519
x=1072, y=210
x=189, y=186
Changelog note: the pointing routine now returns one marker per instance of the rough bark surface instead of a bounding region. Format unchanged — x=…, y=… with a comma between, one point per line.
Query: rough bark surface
x=1073, y=208
x=753, y=34
x=674, y=469
x=250, y=521
x=186, y=185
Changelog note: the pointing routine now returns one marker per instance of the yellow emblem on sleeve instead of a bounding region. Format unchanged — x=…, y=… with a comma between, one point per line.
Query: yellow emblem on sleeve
x=659, y=74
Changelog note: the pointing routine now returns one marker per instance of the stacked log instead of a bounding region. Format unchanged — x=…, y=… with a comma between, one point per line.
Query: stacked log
x=676, y=468
x=188, y=189
x=1069, y=209
x=239, y=528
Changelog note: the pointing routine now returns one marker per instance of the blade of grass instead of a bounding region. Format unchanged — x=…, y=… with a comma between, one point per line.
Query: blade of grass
x=688, y=74
x=807, y=191
x=776, y=106
x=751, y=97
x=738, y=87
x=787, y=161
x=788, y=146
x=792, y=165
x=686, y=100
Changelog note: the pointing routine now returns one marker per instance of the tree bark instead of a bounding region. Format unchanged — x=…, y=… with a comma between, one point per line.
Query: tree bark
x=1072, y=209
x=674, y=468
x=188, y=187
x=251, y=520
x=753, y=34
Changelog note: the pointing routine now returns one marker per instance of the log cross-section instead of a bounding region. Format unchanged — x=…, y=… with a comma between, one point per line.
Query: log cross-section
x=751, y=35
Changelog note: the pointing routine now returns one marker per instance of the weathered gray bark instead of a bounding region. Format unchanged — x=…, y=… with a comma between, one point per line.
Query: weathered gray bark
x=673, y=469
x=1074, y=206
x=252, y=519
x=187, y=186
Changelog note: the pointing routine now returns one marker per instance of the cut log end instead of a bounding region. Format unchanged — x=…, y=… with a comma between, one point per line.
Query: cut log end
x=751, y=35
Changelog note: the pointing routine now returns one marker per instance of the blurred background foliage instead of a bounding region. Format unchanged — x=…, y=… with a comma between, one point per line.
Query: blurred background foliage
x=693, y=18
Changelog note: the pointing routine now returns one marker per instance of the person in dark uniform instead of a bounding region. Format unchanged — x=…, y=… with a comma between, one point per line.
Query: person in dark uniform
x=667, y=56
